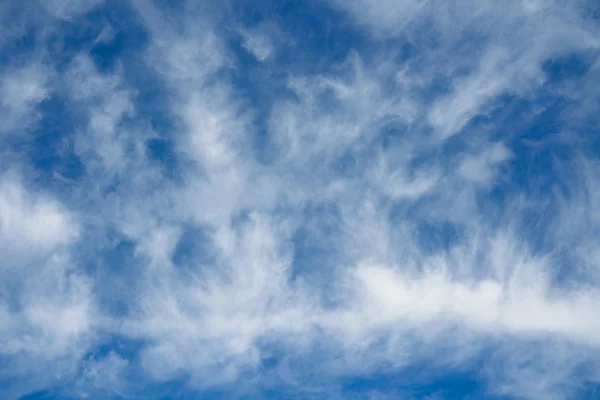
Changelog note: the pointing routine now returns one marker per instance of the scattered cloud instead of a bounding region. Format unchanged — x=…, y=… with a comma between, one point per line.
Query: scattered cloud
x=244, y=210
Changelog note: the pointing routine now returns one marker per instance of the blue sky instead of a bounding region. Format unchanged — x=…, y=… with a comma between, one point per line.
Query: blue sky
x=320, y=199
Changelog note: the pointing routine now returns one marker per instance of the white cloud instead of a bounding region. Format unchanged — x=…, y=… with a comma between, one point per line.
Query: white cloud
x=213, y=319
x=104, y=375
x=532, y=372
x=107, y=103
x=32, y=222
x=258, y=42
x=335, y=114
x=504, y=55
x=46, y=303
x=352, y=144
x=519, y=306
x=481, y=168
x=68, y=9
x=106, y=35
x=383, y=17
x=21, y=92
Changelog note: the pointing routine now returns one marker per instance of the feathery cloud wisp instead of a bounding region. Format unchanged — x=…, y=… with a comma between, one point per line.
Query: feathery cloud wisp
x=314, y=200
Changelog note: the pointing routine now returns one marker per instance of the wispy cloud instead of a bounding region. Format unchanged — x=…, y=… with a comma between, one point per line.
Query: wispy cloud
x=225, y=214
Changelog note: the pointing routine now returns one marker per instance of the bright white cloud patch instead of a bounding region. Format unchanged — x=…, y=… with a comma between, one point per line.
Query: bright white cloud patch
x=313, y=200
x=32, y=220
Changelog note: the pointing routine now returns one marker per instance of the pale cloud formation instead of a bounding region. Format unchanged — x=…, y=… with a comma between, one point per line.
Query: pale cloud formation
x=33, y=220
x=480, y=168
x=21, y=91
x=200, y=199
x=258, y=42
x=48, y=315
